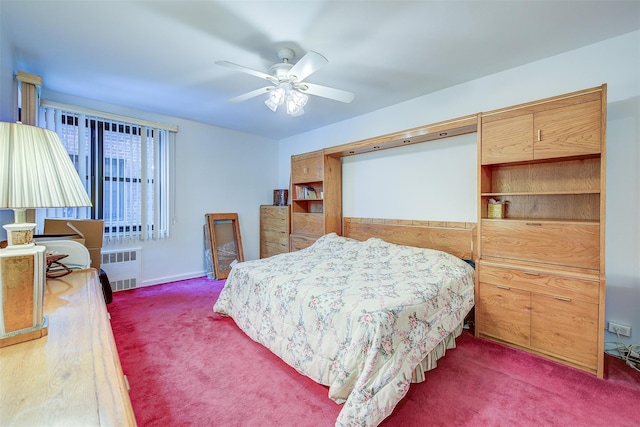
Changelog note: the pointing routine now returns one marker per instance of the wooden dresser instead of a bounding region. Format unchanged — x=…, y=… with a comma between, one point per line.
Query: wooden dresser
x=274, y=230
x=541, y=271
x=73, y=375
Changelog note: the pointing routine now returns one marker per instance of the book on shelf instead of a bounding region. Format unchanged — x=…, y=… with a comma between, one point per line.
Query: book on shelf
x=310, y=193
x=306, y=193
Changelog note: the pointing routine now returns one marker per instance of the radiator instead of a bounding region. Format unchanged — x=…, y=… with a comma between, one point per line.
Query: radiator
x=123, y=267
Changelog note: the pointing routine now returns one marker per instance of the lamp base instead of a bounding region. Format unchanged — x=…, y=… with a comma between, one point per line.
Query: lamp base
x=19, y=235
x=24, y=335
x=22, y=284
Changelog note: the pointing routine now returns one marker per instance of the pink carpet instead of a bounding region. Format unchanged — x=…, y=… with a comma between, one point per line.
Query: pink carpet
x=188, y=366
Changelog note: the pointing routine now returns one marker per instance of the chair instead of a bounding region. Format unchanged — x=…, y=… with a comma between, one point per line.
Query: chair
x=77, y=256
x=64, y=256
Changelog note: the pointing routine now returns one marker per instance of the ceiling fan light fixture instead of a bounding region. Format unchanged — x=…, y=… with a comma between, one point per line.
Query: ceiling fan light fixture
x=287, y=80
x=297, y=112
x=277, y=95
x=295, y=101
x=285, y=94
x=272, y=105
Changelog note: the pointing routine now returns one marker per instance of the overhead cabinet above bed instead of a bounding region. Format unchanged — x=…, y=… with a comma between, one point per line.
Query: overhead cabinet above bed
x=566, y=127
x=541, y=279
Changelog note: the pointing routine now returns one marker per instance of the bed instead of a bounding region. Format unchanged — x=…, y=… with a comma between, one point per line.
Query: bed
x=364, y=317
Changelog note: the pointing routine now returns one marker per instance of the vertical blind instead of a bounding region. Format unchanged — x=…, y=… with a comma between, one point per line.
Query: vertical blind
x=125, y=167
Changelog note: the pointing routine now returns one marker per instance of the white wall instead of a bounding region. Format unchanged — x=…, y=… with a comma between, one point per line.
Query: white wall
x=615, y=62
x=8, y=93
x=437, y=181
x=8, y=89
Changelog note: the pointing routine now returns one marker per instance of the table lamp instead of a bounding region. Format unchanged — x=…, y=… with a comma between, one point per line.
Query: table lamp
x=35, y=172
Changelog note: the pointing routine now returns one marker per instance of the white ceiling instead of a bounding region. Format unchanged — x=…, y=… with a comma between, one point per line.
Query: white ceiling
x=159, y=56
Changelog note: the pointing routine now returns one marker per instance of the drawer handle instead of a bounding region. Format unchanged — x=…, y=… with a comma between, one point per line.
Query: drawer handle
x=503, y=287
x=305, y=170
x=531, y=273
x=537, y=224
x=562, y=298
x=539, y=135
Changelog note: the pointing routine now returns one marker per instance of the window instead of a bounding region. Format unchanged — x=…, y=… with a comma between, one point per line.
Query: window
x=125, y=167
x=114, y=180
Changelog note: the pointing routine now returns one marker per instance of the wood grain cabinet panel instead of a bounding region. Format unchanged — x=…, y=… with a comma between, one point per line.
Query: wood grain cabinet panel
x=298, y=242
x=552, y=130
x=505, y=313
x=549, y=314
x=509, y=139
x=541, y=279
x=568, y=131
x=565, y=328
x=307, y=167
x=274, y=230
x=565, y=243
x=308, y=224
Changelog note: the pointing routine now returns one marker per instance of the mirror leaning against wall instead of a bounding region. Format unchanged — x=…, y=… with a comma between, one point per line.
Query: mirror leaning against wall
x=225, y=242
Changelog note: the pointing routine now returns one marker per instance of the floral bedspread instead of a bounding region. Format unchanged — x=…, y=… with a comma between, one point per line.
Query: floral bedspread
x=355, y=316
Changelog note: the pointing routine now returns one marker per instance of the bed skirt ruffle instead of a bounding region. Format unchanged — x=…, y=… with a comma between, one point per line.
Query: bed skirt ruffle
x=431, y=360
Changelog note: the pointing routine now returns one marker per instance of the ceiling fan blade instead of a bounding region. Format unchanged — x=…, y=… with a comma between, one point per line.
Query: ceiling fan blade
x=246, y=70
x=307, y=65
x=251, y=94
x=326, y=92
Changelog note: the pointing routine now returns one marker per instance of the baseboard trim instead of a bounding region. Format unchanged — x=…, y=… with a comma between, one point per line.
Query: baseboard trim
x=167, y=279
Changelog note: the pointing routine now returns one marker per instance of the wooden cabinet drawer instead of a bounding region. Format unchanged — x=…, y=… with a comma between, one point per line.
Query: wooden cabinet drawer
x=273, y=243
x=565, y=328
x=307, y=223
x=275, y=217
x=535, y=281
x=298, y=242
x=555, y=242
x=307, y=168
x=504, y=313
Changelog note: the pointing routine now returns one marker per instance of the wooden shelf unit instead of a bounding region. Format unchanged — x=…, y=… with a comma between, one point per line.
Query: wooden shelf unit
x=316, y=197
x=553, y=189
x=540, y=283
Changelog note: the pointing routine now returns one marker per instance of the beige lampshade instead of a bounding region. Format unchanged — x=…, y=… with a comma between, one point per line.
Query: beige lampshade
x=36, y=171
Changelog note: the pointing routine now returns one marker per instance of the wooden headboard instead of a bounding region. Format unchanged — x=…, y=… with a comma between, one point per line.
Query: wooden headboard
x=456, y=238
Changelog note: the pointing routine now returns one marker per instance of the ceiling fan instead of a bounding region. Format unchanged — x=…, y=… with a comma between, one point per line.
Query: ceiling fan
x=287, y=82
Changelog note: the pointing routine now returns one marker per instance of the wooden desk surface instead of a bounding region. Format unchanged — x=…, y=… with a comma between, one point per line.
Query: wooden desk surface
x=72, y=376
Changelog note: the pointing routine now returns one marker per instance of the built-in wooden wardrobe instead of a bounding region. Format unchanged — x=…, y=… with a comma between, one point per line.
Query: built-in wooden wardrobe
x=540, y=278
x=316, y=198
x=540, y=273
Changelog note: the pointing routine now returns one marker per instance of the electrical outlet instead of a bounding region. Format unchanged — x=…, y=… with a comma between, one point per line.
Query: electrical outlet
x=620, y=329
